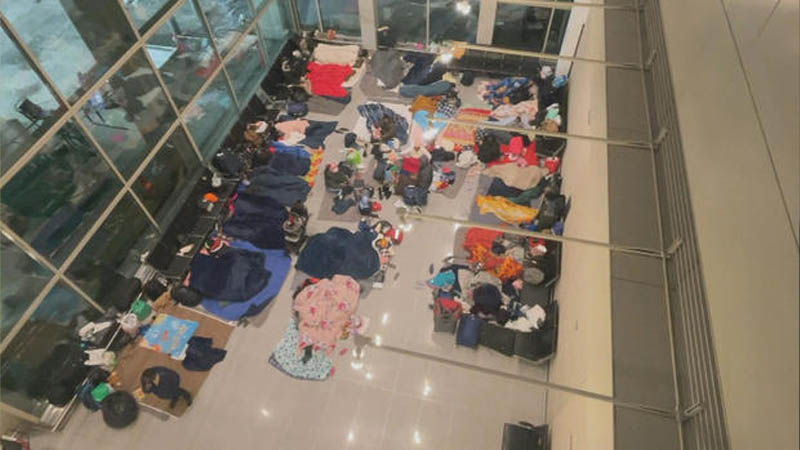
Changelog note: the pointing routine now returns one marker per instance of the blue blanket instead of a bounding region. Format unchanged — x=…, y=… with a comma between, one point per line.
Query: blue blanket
x=278, y=263
x=338, y=251
x=285, y=189
x=231, y=274
x=258, y=220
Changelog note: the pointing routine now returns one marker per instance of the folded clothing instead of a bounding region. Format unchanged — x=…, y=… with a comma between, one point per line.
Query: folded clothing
x=327, y=79
x=230, y=274
x=339, y=251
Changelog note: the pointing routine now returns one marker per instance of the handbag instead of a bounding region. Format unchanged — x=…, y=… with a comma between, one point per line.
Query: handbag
x=524, y=436
x=469, y=331
x=498, y=338
x=445, y=319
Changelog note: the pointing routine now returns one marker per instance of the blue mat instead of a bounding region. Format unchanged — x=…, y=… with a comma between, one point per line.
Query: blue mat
x=277, y=262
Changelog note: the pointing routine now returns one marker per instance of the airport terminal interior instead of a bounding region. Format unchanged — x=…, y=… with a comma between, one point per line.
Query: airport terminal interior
x=399, y=224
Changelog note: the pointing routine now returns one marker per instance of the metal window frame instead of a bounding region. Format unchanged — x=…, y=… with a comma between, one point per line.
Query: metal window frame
x=72, y=110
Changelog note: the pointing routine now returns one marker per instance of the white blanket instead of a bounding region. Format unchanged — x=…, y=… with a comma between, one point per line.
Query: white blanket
x=336, y=54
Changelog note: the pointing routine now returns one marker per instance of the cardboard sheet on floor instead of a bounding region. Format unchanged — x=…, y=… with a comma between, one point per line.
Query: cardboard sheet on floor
x=134, y=359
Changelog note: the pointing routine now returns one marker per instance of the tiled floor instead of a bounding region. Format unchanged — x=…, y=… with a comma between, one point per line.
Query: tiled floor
x=383, y=400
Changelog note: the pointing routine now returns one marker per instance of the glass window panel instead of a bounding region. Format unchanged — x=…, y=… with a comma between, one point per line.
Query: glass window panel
x=557, y=31
x=128, y=114
x=183, y=53
x=247, y=67
x=21, y=280
x=142, y=11
x=307, y=11
x=520, y=27
x=27, y=107
x=455, y=21
x=275, y=28
x=259, y=4
x=163, y=181
x=75, y=41
x=115, y=249
x=57, y=196
x=211, y=116
x=25, y=368
x=405, y=19
x=341, y=15
x=228, y=20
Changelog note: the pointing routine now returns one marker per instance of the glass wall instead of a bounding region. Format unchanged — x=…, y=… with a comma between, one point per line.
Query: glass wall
x=275, y=28
x=80, y=208
x=340, y=15
x=406, y=19
x=456, y=21
x=529, y=28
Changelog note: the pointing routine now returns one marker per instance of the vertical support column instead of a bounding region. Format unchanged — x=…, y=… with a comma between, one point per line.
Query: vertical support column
x=368, y=18
x=569, y=46
x=486, y=19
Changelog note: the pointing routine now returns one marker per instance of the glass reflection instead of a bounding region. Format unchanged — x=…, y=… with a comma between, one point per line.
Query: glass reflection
x=405, y=19
x=247, y=67
x=142, y=11
x=160, y=185
x=31, y=360
x=211, y=116
x=21, y=279
x=27, y=107
x=228, y=20
x=520, y=27
x=454, y=21
x=183, y=53
x=275, y=26
x=115, y=249
x=57, y=196
x=307, y=10
x=341, y=15
x=128, y=114
x=75, y=41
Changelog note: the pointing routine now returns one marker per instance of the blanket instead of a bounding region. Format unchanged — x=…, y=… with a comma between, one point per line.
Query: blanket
x=169, y=335
x=506, y=210
x=462, y=134
x=285, y=189
x=288, y=360
x=258, y=220
x=374, y=112
x=290, y=160
x=511, y=90
x=335, y=54
x=327, y=79
x=278, y=263
x=230, y=274
x=324, y=311
x=387, y=66
x=424, y=71
x=338, y=251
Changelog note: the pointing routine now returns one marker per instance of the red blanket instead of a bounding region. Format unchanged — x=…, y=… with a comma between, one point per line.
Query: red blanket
x=327, y=79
